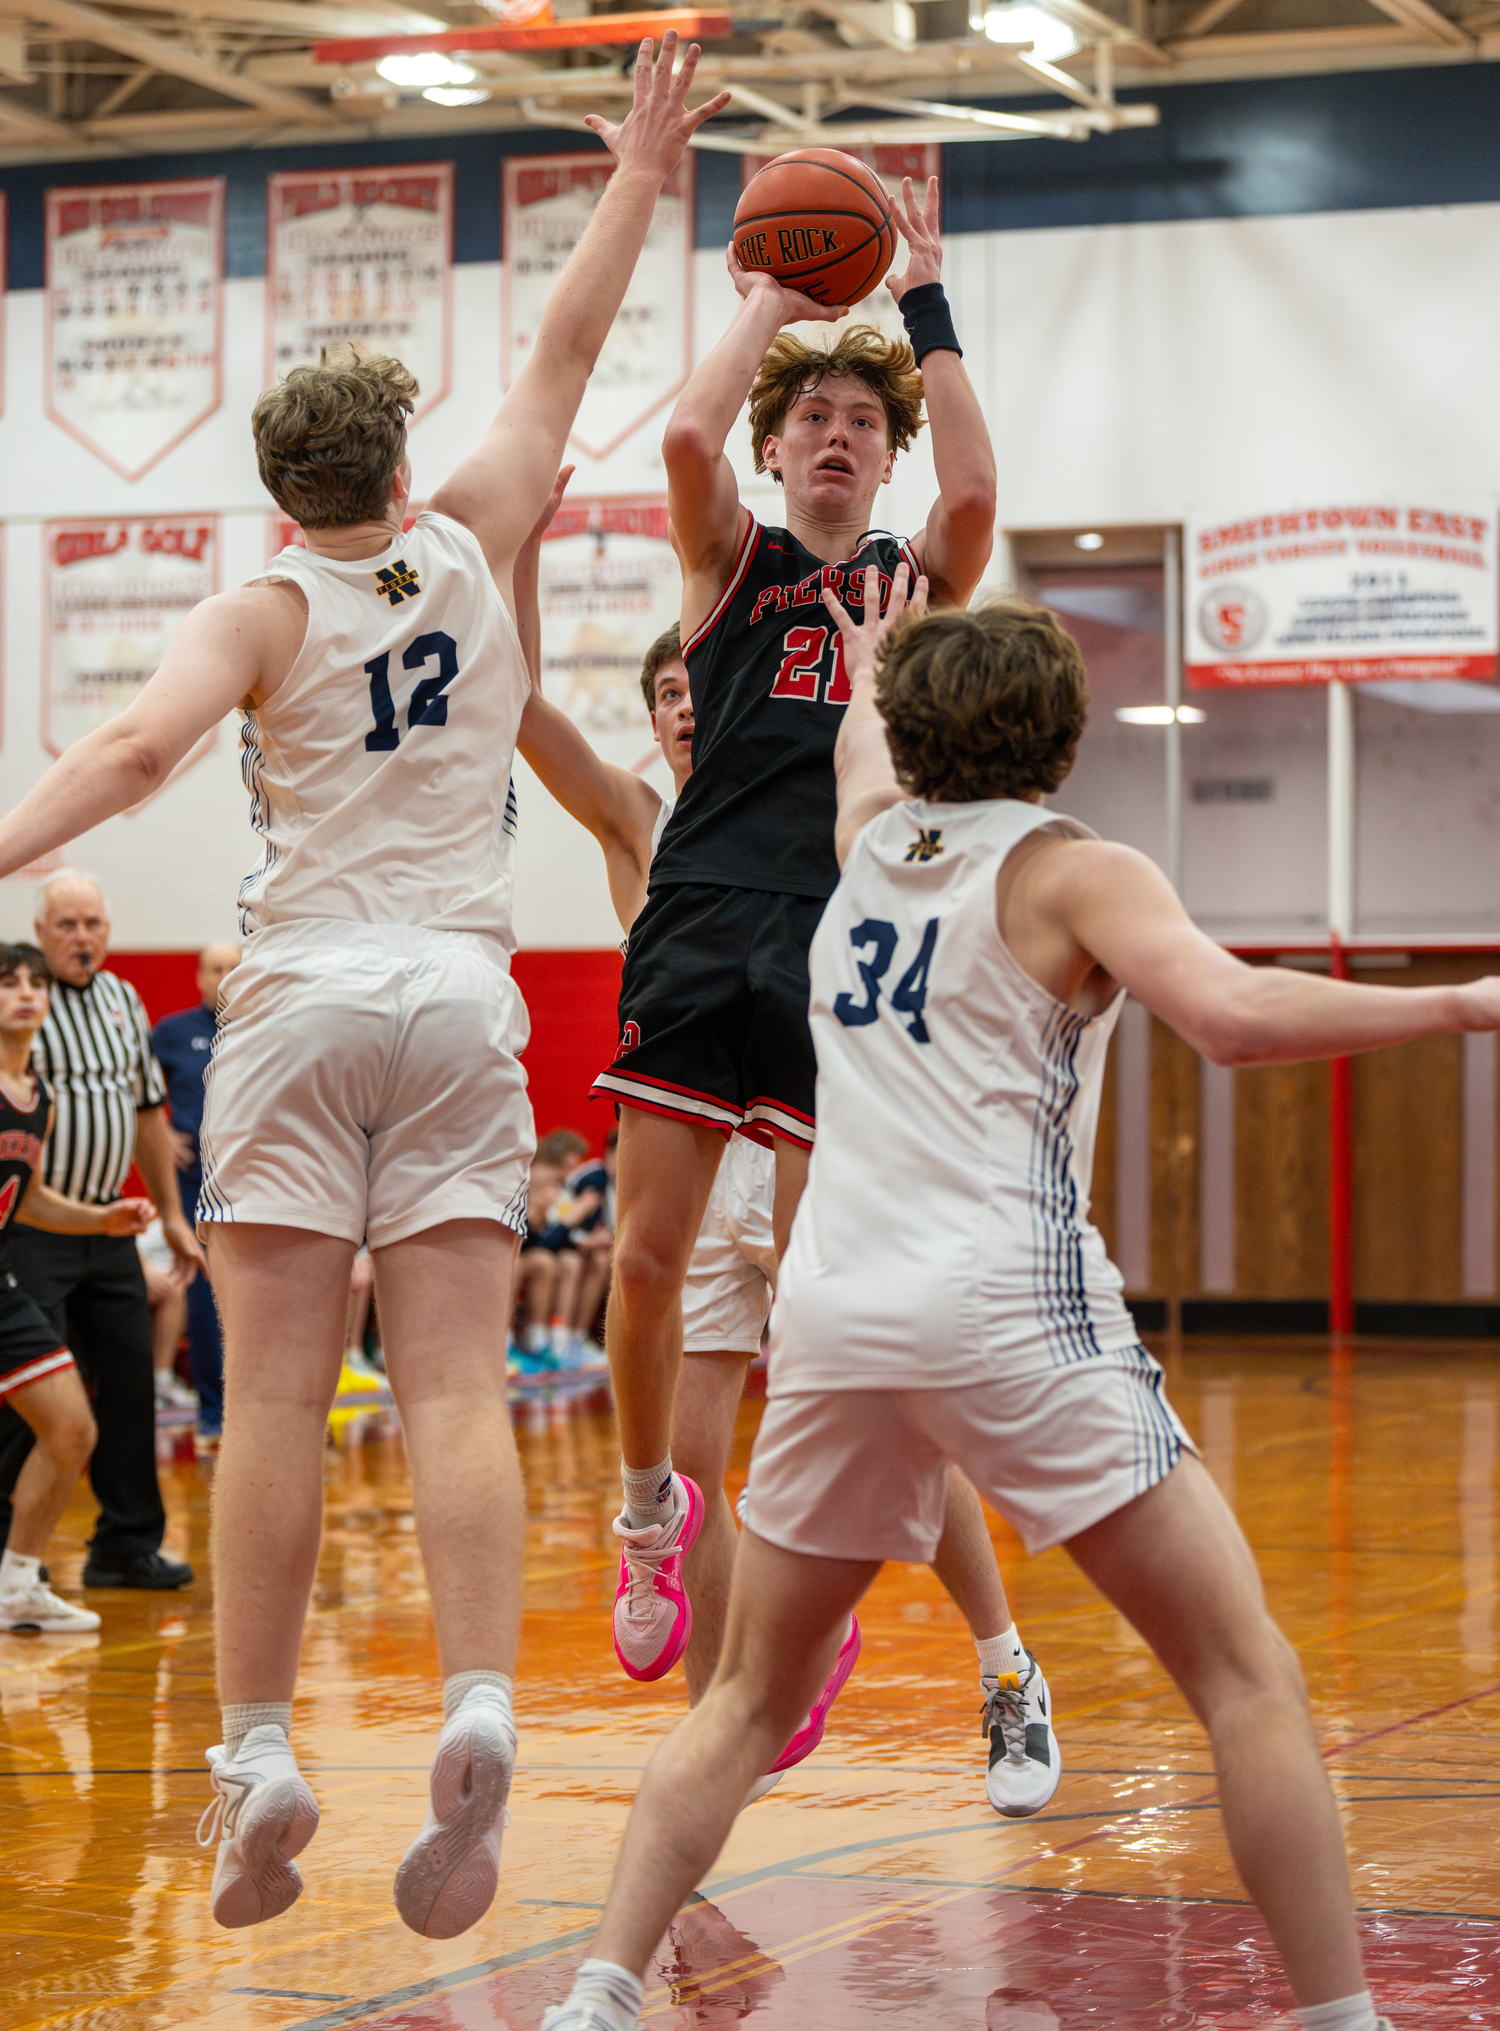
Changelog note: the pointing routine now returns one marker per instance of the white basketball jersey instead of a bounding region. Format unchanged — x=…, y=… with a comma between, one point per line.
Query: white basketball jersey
x=380, y=772
x=944, y=1232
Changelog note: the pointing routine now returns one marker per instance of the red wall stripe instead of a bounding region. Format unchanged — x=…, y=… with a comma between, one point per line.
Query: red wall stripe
x=571, y=996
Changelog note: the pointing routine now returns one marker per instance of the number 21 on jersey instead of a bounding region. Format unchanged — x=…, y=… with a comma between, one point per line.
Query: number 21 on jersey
x=908, y=997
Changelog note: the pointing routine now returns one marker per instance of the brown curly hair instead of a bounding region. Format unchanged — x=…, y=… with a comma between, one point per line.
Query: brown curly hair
x=329, y=439
x=888, y=367
x=988, y=702
x=667, y=648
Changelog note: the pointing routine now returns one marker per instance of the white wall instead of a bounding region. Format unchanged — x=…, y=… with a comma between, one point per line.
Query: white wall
x=1128, y=372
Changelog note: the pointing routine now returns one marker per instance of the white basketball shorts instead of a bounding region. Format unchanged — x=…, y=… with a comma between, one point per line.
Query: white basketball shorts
x=732, y=1275
x=364, y=1083
x=858, y=1473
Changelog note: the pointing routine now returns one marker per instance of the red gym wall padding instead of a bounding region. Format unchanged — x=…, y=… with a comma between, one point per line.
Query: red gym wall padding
x=571, y=997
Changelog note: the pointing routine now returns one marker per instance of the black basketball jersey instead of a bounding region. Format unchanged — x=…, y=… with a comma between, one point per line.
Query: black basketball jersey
x=766, y=670
x=21, y=1139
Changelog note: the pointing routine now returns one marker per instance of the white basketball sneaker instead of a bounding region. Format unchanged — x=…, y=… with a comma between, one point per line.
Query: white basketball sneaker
x=604, y=1998
x=37, y=1607
x=448, y=1876
x=262, y=1813
x=1025, y=1761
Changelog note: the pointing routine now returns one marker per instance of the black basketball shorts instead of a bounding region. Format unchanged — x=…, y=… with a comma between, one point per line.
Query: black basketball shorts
x=28, y=1345
x=713, y=1013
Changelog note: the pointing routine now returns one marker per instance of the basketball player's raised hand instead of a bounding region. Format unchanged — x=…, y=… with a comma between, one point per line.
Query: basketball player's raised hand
x=794, y=308
x=658, y=126
x=861, y=645
x=919, y=229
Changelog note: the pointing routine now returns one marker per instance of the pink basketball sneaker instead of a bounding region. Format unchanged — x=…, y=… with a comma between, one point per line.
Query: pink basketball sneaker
x=653, y=1617
x=810, y=1734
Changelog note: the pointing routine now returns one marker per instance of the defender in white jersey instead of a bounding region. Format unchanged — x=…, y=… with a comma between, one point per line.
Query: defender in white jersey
x=944, y=1298
x=731, y=1275
x=365, y=1082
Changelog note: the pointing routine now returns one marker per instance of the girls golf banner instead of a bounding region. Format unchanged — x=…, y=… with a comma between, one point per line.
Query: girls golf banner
x=134, y=322
x=115, y=595
x=1347, y=593
x=548, y=200
x=362, y=257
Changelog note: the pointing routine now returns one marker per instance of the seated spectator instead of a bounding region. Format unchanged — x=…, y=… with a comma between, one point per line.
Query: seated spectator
x=589, y=1209
x=169, y=1309
x=550, y=1267
x=358, y=1358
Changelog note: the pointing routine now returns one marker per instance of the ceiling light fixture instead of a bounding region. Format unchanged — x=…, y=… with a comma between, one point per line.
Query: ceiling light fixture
x=1049, y=37
x=418, y=73
x=455, y=95
x=1089, y=540
x=1160, y=715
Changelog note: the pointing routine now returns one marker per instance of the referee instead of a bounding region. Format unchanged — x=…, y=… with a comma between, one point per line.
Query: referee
x=94, y=1051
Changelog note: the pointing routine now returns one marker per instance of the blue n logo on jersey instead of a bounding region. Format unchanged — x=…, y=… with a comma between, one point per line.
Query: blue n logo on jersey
x=926, y=846
x=398, y=581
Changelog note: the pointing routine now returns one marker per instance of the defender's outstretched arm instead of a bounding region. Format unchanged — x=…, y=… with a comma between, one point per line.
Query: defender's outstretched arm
x=863, y=771
x=960, y=533
x=703, y=496
x=500, y=488
x=1124, y=914
x=220, y=657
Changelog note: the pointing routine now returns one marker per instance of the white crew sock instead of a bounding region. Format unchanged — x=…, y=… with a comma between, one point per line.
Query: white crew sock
x=18, y=1574
x=611, y=1984
x=1348, y=2013
x=648, y=1494
x=494, y=1687
x=1000, y=1654
x=238, y=1721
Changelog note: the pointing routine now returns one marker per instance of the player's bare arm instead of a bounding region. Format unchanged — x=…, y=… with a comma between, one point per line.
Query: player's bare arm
x=44, y=1208
x=617, y=807
x=1082, y=915
x=960, y=534
x=500, y=488
x=703, y=496
x=863, y=771
x=232, y=649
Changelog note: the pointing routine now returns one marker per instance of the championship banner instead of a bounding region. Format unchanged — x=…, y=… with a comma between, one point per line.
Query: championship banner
x=115, y=593
x=609, y=584
x=1353, y=593
x=362, y=256
x=547, y=201
x=134, y=325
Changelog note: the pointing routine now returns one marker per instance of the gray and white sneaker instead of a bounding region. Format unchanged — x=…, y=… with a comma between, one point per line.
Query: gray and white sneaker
x=262, y=1813
x=37, y=1608
x=448, y=1876
x=604, y=1998
x=1025, y=1761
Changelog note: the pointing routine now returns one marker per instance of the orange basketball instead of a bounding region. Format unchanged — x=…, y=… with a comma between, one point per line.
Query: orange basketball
x=820, y=222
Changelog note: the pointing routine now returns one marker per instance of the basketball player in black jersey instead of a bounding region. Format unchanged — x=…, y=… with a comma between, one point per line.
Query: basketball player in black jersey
x=713, y=1006
x=37, y=1375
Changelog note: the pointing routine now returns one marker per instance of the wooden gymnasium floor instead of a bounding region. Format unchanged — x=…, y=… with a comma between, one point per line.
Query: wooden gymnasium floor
x=876, y=1884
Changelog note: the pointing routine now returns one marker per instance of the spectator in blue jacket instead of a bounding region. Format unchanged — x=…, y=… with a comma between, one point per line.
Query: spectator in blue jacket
x=182, y=1043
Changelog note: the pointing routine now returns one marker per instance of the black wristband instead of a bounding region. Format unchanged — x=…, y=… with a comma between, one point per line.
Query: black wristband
x=929, y=321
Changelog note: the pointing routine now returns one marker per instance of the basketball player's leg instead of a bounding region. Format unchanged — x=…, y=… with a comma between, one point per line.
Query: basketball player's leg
x=1025, y=1763
x=1175, y=1563
x=57, y=1410
x=441, y=1293
x=792, y=1160
x=709, y=1389
x=787, y=1613
x=282, y=1295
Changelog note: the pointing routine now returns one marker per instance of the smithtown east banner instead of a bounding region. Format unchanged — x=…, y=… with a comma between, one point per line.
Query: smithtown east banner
x=1343, y=593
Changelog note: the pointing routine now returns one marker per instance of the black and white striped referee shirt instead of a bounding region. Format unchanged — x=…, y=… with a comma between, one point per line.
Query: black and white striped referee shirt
x=94, y=1051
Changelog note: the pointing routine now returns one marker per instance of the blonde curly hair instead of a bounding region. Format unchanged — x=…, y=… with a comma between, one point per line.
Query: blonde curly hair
x=888, y=368
x=329, y=439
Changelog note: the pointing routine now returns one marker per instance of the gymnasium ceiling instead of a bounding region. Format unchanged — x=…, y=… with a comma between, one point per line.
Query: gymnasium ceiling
x=82, y=78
